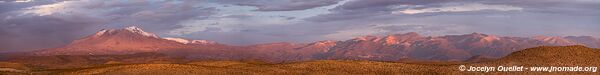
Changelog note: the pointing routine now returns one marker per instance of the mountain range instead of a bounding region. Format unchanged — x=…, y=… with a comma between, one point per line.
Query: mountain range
x=577, y=55
x=395, y=47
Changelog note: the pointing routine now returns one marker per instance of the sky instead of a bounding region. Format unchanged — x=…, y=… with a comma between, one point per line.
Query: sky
x=37, y=24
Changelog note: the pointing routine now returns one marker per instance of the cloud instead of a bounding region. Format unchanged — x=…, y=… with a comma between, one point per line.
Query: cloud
x=458, y=16
x=387, y=29
x=157, y=16
x=459, y=8
x=10, y=5
x=357, y=9
x=356, y=17
x=23, y=0
x=49, y=9
x=281, y=5
x=244, y=22
x=34, y=32
x=58, y=23
x=372, y=8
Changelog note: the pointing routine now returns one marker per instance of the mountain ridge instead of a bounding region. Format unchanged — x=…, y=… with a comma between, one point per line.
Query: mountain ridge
x=394, y=47
x=575, y=55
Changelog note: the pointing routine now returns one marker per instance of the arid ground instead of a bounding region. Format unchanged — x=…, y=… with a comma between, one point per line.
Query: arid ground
x=539, y=56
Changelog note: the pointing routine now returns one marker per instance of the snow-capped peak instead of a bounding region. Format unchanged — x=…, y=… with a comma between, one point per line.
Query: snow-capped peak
x=138, y=30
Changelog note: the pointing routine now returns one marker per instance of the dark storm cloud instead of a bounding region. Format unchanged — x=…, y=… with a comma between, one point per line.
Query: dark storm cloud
x=281, y=5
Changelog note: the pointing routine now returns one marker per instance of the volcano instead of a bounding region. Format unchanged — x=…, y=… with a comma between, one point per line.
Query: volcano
x=117, y=41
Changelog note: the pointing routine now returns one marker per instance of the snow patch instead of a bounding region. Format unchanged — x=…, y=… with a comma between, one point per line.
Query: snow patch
x=185, y=41
x=203, y=42
x=490, y=38
x=180, y=40
x=138, y=30
x=101, y=32
x=554, y=39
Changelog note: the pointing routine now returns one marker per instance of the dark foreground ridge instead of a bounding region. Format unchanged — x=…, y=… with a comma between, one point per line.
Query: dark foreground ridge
x=538, y=56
